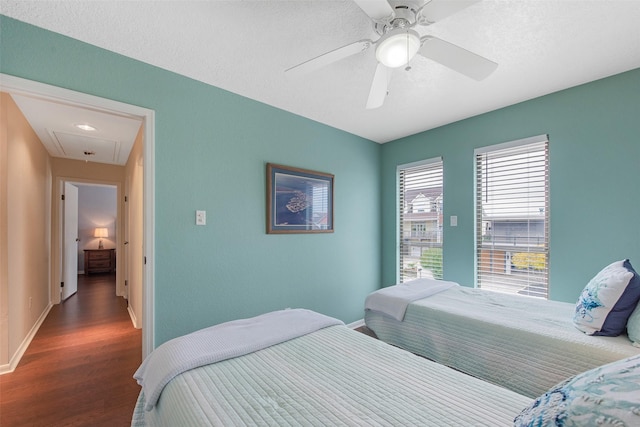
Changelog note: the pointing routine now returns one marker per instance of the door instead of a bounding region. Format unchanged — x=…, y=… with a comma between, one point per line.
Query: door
x=70, y=242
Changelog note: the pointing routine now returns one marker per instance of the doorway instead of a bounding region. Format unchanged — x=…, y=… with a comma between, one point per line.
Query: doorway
x=90, y=226
x=14, y=85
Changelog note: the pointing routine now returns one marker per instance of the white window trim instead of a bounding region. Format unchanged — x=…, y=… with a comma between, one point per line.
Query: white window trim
x=510, y=144
x=418, y=163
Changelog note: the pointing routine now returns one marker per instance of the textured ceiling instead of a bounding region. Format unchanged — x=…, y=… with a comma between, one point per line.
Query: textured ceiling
x=245, y=46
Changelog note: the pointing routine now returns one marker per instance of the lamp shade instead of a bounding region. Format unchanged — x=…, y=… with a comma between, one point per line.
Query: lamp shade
x=101, y=232
x=397, y=47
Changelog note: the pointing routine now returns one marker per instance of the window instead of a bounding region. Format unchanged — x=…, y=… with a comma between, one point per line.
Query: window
x=420, y=220
x=512, y=217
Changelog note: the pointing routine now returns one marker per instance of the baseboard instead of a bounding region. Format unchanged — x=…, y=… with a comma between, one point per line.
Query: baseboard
x=356, y=324
x=17, y=356
x=134, y=319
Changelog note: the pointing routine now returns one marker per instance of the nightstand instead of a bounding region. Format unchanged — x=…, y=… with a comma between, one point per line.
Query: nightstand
x=99, y=261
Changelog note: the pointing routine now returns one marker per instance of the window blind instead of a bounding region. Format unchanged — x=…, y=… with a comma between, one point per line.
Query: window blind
x=420, y=220
x=512, y=217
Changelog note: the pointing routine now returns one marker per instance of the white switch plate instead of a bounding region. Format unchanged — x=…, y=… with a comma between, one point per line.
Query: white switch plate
x=201, y=217
x=454, y=221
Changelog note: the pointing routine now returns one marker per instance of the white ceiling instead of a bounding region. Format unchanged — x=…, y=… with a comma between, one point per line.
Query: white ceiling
x=244, y=47
x=55, y=123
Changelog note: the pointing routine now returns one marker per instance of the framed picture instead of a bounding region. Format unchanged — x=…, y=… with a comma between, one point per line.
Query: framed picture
x=298, y=200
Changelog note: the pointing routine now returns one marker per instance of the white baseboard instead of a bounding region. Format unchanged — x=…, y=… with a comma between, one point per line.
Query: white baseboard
x=17, y=356
x=134, y=319
x=356, y=324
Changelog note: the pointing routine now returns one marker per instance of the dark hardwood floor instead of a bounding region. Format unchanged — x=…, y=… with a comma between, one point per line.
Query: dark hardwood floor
x=367, y=331
x=78, y=369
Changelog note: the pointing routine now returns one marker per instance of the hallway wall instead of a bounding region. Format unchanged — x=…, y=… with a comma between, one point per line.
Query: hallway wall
x=25, y=234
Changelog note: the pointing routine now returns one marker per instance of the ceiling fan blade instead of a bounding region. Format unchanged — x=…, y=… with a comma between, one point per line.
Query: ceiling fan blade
x=329, y=57
x=375, y=9
x=457, y=58
x=378, y=91
x=437, y=10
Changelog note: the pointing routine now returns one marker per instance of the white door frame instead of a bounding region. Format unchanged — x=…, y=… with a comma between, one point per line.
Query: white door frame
x=119, y=187
x=17, y=85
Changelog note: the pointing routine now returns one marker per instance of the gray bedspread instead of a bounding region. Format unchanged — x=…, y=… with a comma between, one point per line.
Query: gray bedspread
x=332, y=377
x=221, y=342
x=525, y=344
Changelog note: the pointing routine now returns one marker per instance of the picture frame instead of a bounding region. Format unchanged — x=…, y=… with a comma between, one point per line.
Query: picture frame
x=298, y=200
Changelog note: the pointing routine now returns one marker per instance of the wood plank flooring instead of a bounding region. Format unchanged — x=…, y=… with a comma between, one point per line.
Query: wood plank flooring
x=78, y=369
x=367, y=331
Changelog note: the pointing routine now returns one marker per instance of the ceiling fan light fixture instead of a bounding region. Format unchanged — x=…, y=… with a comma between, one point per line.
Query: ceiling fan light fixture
x=397, y=47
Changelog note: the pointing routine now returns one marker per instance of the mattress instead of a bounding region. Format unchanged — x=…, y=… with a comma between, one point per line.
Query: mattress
x=334, y=376
x=525, y=344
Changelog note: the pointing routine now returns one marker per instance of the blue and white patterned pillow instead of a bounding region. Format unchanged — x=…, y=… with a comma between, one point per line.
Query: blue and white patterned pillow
x=607, y=395
x=608, y=300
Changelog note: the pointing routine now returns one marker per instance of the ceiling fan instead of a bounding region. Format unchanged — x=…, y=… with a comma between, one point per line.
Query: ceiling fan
x=399, y=42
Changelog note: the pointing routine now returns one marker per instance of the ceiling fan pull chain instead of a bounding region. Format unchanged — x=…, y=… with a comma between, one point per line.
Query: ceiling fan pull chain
x=408, y=67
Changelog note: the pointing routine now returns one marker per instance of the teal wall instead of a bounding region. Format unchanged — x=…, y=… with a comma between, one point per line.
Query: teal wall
x=211, y=151
x=212, y=147
x=594, y=133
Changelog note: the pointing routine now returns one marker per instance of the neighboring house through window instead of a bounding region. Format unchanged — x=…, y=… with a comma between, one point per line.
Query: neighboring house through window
x=512, y=217
x=420, y=220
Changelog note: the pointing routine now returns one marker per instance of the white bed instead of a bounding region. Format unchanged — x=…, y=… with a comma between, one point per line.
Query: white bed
x=333, y=376
x=524, y=344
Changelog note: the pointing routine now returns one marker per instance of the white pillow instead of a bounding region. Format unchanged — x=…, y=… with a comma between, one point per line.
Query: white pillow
x=607, y=301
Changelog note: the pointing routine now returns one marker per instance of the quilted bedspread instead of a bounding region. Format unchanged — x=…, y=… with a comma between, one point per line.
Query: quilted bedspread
x=223, y=341
x=525, y=344
x=332, y=377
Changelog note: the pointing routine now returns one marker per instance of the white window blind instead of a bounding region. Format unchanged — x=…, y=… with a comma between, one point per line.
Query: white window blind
x=420, y=220
x=512, y=217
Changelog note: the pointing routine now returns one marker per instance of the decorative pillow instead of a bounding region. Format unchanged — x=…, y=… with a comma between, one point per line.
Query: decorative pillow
x=607, y=395
x=608, y=300
x=633, y=326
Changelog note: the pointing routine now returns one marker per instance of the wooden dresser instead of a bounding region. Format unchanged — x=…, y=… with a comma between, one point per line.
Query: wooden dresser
x=99, y=261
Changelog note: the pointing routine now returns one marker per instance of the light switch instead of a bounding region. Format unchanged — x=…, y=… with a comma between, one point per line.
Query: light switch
x=454, y=220
x=201, y=217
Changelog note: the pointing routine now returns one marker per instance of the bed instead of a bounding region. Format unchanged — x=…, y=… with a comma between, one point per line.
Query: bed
x=524, y=344
x=328, y=374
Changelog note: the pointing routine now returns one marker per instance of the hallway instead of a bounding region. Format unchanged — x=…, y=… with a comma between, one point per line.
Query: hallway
x=78, y=369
